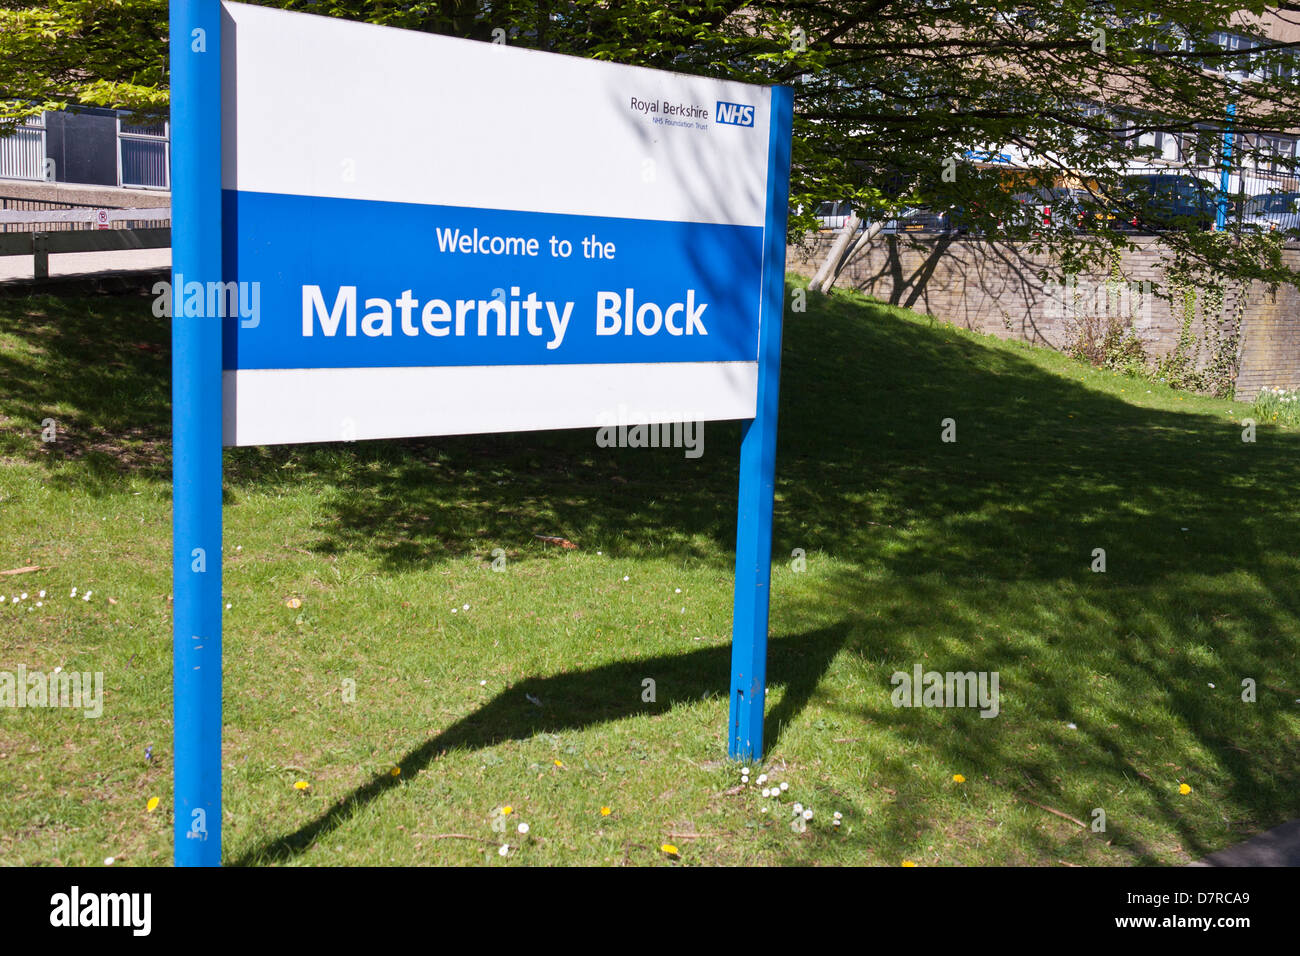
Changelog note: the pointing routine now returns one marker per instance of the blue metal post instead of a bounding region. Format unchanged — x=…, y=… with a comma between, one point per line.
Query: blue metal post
x=196, y=429
x=1225, y=169
x=758, y=460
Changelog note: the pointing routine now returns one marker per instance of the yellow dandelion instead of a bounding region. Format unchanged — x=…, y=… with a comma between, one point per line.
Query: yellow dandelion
x=396, y=771
x=506, y=811
x=152, y=805
x=958, y=778
x=670, y=849
x=908, y=863
x=1184, y=789
x=558, y=764
x=605, y=811
x=293, y=602
x=302, y=785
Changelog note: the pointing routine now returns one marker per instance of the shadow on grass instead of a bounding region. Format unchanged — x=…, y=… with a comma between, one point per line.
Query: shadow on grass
x=585, y=698
x=99, y=367
x=1043, y=465
x=993, y=534
x=1044, y=471
x=1150, y=679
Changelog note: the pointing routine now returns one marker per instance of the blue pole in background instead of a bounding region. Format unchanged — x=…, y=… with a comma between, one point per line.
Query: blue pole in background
x=1225, y=169
x=758, y=460
x=196, y=430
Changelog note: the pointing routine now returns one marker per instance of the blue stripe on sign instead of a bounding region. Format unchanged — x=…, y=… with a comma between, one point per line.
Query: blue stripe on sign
x=399, y=284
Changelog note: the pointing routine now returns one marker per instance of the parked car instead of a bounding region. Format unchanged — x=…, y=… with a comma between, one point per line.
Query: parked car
x=1271, y=212
x=1062, y=207
x=1159, y=201
x=833, y=215
x=943, y=222
x=952, y=221
x=918, y=220
x=974, y=220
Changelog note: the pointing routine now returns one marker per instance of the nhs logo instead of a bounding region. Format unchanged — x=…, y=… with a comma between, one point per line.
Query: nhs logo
x=735, y=114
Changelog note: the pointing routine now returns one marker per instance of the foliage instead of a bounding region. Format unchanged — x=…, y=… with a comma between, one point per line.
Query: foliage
x=1278, y=406
x=1207, y=334
x=890, y=94
x=1108, y=342
x=109, y=53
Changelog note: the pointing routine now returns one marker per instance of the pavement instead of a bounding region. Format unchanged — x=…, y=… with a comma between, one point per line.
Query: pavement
x=1279, y=846
x=69, y=264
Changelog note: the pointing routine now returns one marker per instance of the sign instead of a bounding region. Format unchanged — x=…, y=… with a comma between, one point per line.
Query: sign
x=581, y=233
x=101, y=219
x=381, y=233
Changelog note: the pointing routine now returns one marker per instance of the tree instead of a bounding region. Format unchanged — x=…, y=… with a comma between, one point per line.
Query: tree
x=82, y=52
x=890, y=94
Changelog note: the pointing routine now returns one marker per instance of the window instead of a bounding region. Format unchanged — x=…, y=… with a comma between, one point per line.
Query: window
x=1277, y=154
x=1239, y=67
x=1173, y=39
x=142, y=153
x=1164, y=146
x=1284, y=68
x=1120, y=126
x=22, y=152
x=1200, y=148
x=1167, y=144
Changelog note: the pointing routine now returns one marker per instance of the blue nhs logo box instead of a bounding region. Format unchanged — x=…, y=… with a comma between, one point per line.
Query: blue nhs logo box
x=735, y=114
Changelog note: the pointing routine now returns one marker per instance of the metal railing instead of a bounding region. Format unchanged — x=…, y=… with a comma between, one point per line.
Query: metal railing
x=1159, y=197
x=39, y=245
x=22, y=151
x=19, y=215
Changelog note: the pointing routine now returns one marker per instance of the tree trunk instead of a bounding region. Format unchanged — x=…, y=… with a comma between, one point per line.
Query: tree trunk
x=831, y=265
x=842, y=252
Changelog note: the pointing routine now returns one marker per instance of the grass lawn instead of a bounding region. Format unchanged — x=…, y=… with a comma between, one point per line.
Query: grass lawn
x=974, y=555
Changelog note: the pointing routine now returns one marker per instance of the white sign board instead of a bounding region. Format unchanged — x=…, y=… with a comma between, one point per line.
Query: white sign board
x=449, y=236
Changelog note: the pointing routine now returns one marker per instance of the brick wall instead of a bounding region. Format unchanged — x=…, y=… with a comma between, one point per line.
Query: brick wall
x=994, y=287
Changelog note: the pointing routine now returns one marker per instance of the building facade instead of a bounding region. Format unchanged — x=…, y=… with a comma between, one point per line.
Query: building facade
x=90, y=147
